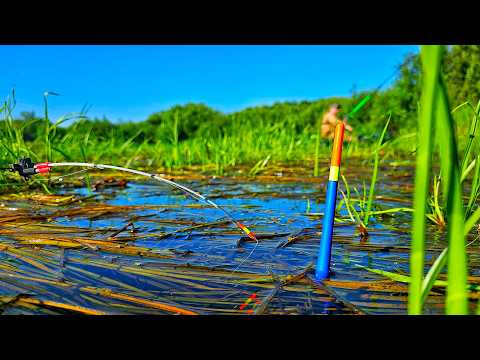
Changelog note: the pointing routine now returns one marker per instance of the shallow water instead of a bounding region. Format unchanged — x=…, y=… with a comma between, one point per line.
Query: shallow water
x=194, y=259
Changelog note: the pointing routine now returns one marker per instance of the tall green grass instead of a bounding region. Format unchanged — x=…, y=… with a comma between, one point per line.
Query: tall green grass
x=316, y=159
x=435, y=123
x=361, y=208
x=371, y=192
x=218, y=150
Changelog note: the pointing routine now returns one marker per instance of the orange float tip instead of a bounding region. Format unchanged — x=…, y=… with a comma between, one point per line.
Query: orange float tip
x=338, y=144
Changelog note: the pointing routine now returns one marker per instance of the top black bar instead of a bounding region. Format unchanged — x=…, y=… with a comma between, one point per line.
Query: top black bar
x=401, y=24
x=236, y=38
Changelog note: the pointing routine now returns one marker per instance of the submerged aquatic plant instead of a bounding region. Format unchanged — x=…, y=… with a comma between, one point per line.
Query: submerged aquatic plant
x=436, y=215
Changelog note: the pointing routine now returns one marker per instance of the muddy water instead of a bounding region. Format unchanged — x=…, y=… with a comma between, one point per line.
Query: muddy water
x=193, y=259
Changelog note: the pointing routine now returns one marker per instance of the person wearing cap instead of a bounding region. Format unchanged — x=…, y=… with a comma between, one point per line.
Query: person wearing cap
x=330, y=121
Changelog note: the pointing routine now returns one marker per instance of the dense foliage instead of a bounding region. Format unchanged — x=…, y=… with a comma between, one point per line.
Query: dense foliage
x=462, y=72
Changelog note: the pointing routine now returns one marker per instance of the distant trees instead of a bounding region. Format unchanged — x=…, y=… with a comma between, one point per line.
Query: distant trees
x=185, y=121
x=462, y=73
x=461, y=69
x=400, y=100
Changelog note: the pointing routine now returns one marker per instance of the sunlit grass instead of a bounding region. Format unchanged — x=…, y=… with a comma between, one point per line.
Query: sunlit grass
x=435, y=123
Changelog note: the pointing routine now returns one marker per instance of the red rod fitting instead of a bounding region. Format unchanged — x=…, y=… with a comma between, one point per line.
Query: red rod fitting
x=44, y=164
x=42, y=168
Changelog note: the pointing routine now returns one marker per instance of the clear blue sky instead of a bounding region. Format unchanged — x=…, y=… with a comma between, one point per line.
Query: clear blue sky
x=131, y=82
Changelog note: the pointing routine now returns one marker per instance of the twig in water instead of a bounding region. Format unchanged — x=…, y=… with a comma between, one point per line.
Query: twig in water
x=268, y=299
x=122, y=230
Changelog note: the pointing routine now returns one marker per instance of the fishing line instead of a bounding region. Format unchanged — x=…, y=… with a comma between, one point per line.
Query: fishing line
x=244, y=260
x=397, y=69
x=367, y=98
x=60, y=178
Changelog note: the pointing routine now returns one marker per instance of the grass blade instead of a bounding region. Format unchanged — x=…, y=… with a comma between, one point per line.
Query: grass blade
x=430, y=65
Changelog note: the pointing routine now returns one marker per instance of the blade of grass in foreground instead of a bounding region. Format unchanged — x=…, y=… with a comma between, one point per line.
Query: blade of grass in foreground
x=433, y=274
x=435, y=101
x=430, y=64
x=457, y=297
x=471, y=220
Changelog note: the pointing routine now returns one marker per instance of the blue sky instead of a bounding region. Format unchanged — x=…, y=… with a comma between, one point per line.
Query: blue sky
x=131, y=82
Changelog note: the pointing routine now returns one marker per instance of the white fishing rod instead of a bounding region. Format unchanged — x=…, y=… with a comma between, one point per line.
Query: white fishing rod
x=26, y=168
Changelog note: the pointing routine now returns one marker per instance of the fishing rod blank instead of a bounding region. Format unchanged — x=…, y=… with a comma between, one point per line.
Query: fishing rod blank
x=26, y=168
x=368, y=97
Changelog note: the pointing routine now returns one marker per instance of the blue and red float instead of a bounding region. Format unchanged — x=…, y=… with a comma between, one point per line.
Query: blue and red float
x=325, y=251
